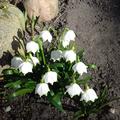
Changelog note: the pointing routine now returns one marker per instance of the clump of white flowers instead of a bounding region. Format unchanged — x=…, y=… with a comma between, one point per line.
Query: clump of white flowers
x=53, y=71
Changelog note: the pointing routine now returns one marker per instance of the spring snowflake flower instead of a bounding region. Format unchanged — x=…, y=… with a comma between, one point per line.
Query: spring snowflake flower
x=80, y=68
x=56, y=55
x=70, y=35
x=34, y=60
x=69, y=55
x=32, y=47
x=50, y=77
x=42, y=89
x=26, y=67
x=46, y=36
x=74, y=89
x=16, y=62
x=89, y=95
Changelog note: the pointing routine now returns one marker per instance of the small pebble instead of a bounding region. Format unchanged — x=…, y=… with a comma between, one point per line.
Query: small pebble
x=112, y=110
x=8, y=109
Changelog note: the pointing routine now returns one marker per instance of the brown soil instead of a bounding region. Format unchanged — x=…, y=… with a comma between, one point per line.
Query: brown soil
x=97, y=25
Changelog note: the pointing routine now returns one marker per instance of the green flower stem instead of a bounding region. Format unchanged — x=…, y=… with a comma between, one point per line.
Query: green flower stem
x=86, y=86
x=70, y=67
x=42, y=52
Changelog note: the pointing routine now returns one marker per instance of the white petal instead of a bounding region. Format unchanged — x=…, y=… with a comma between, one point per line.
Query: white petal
x=42, y=89
x=32, y=47
x=34, y=60
x=69, y=55
x=70, y=35
x=89, y=95
x=50, y=77
x=74, y=89
x=26, y=67
x=46, y=36
x=56, y=55
x=16, y=62
x=80, y=68
x=65, y=43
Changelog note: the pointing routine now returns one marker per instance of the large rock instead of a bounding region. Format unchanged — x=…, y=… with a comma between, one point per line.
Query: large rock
x=11, y=19
x=46, y=10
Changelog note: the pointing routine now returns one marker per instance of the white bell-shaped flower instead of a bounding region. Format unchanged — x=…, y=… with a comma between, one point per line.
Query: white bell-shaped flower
x=74, y=89
x=32, y=47
x=69, y=55
x=70, y=35
x=34, y=60
x=50, y=77
x=16, y=62
x=26, y=67
x=80, y=67
x=56, y=55
x=46, y=36
x=42, y=89
x=89, y=95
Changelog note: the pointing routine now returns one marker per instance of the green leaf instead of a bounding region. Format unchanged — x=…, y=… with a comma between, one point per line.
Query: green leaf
x=84, y=80
x=80, y=54
x=14, y=85
x=30, y=84
x=56, y=101
x=92, y=66
x=10, y=71
x=57, y=65
x=21, y=92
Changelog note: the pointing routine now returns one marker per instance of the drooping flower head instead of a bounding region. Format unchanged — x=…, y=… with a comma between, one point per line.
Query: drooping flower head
x=74, y=89
x=69, y=55
x=80, y=67
x=16, y=62
x=56, y=55
x=42, y=89
x=50, y=77
x=26, y=67
x=69, y=36
x=32, y=47
x=46, y=36
x=89, y=95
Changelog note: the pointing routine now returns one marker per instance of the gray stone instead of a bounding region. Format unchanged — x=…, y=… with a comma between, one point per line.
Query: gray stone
x=11, y=20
